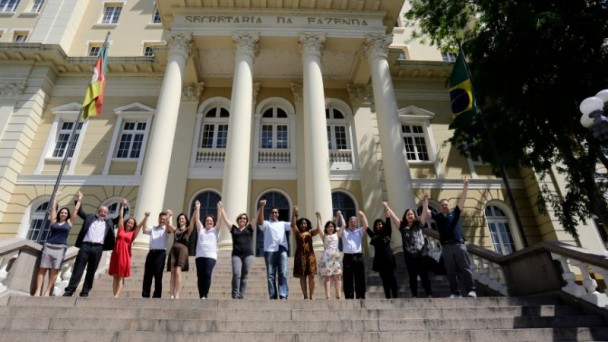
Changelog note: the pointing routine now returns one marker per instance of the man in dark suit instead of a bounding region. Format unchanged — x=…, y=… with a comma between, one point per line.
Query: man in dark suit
x=96, y=236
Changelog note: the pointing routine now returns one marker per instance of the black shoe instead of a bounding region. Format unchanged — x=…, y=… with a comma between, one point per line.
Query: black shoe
x=68, y=294
x=84, y=295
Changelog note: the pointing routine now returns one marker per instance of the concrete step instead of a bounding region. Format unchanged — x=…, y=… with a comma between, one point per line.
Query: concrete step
x=494, y=335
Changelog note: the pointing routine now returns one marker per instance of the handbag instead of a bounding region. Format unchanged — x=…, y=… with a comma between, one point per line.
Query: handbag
x=424, y=252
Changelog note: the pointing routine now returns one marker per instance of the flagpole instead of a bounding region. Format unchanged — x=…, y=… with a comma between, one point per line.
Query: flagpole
x=66, y=153
x=501, y=167
x=70, y=146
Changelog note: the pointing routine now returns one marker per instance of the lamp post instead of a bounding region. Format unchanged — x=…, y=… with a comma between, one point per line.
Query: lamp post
x=594, y=110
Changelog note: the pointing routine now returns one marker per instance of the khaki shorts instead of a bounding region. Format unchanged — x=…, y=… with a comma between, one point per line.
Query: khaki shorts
x=52, y=255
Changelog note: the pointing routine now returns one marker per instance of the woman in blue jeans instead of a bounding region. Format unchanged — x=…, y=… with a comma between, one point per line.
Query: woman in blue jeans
x=242, y=251
x=206, y=249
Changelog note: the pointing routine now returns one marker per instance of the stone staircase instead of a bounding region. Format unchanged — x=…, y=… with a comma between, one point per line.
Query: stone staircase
x=219, y=318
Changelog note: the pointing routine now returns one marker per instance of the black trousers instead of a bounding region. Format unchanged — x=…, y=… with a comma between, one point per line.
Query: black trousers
x=88, y=257
x=155, y=264
x=353, y=273
x=389, y=283
x=417, y=266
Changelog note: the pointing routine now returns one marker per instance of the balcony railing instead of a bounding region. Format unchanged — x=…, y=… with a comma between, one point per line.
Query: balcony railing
x=340, y=159
x=210, y=157
x=271, y=158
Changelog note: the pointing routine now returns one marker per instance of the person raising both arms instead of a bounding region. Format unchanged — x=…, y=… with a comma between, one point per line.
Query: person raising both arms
x=353, y=263
x=304, y=262
x=55, y=246
x=178, y=254
x=120, y=261
x=242, y=251
x=206, y=248
x=331, y=259
x=413, y=243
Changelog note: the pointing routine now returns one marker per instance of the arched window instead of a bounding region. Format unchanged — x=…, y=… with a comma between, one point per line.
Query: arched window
x=274, y=122
x=274, y=199
x=343, y=202
x=498, y=223
x=430, y=223
x=208, y=201
x=215, y=128
x=339, y=139
x=113, y=205
x=39, y=229
x=212, y=136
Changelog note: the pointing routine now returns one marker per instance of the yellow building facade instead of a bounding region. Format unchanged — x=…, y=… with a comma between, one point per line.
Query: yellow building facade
x=324, y=105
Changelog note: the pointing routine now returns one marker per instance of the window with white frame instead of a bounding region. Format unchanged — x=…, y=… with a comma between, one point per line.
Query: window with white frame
x=131, y=139
x=274, y=129
x=414, y=139
x=38, y=228
x=8, y=5
x=337, y=129
x=214, y=133
x=111, y=13
x=20, y=36
x=498, y=223
x=430, y=222
x=274, y=134
x=94, y=49
x=64, y=137
x=37, y=6
x=156, y=16
x=148, y=51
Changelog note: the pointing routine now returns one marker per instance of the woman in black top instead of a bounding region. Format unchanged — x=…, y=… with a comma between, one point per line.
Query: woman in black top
x=410, y=227
x=242, y=251
x=384, y=261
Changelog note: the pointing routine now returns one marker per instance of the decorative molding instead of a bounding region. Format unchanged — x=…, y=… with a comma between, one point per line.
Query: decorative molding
x=246, y=43
x=12, y=89
x=256, y=90
x=311, y=43
x=180, y=42
x=376, y=45
x=297, y=91
x=360, y=93
x=192, y=91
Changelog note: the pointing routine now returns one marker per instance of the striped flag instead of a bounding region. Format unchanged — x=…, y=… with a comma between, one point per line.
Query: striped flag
x=93, y=98
x=462, y=97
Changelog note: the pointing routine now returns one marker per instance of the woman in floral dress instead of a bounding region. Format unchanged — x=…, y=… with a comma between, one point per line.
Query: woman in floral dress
x=331, y=260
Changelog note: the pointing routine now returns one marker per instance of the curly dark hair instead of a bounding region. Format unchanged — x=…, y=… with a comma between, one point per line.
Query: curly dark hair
x=299, y=224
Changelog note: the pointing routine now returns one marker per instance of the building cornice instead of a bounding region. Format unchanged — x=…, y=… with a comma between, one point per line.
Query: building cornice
x=53, y=55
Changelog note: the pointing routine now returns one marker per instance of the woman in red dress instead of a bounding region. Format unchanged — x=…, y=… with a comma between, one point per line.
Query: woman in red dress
x=120, y=261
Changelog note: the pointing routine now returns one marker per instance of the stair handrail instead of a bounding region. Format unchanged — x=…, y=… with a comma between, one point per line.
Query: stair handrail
x=540, y=268
x=19, y=260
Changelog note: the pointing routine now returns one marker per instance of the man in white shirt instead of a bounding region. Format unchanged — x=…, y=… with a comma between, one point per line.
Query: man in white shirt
x=155, y=260
x=353, y=264
x=275, y=251
x=96, y=236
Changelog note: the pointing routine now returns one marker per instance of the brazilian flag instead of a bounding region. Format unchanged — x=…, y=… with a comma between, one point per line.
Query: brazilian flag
x=462, y=99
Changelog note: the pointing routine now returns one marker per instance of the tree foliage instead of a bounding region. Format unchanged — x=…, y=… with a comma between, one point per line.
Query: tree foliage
x=532, y=62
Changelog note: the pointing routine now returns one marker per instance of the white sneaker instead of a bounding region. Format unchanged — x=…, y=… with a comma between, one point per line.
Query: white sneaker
x=455, y=296
x=472, y=294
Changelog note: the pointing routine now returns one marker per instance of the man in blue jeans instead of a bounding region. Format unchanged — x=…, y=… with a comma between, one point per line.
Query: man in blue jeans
x=275, y=251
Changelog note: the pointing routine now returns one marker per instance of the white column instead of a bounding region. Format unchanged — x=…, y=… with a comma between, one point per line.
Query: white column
x=236, y=185
x=397, y=175
x=316, y=153
x=158, y=156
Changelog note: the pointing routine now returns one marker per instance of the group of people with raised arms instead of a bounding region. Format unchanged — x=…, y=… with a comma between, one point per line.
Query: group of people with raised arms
x=346, y=270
